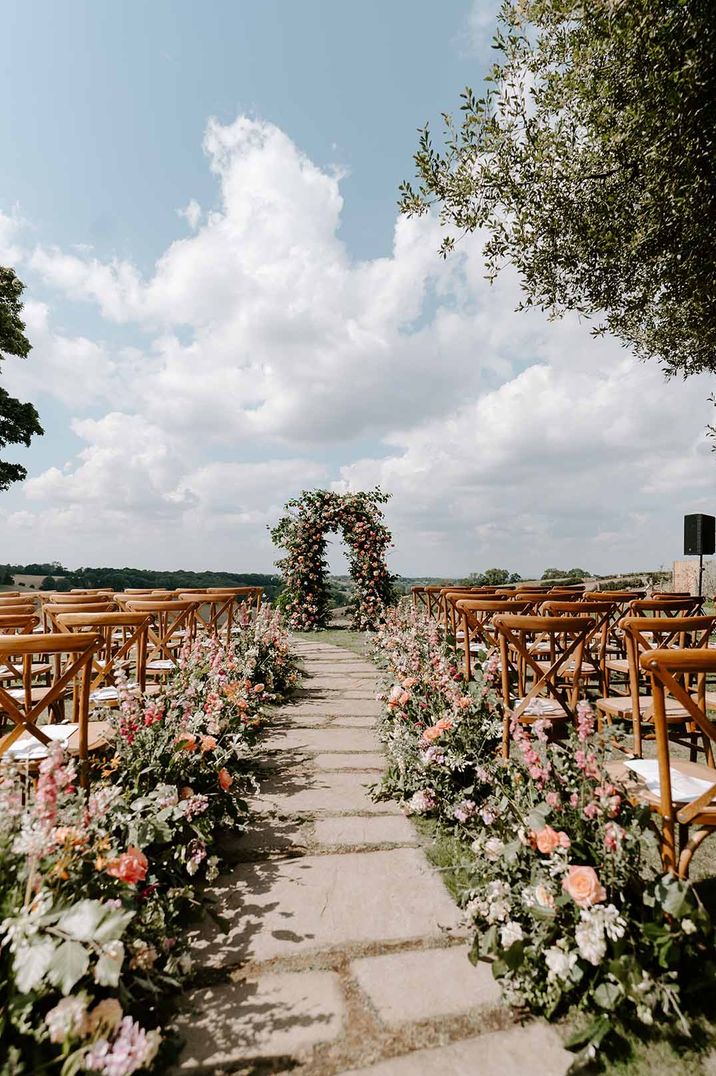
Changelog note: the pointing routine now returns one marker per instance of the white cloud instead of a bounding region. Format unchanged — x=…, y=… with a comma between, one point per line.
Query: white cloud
x=270, y=351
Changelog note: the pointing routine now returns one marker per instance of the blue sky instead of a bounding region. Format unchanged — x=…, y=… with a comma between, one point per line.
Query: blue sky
x=194, y=371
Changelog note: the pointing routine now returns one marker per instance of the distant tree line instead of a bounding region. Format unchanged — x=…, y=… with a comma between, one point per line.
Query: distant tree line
x=62, y=579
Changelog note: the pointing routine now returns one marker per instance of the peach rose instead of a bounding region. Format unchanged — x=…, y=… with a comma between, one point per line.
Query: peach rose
x=225, y=779
x=186, y=740
x=548, y=840
x=208, y=743
x=433, y=732
x=583, y=886
x=131, y=867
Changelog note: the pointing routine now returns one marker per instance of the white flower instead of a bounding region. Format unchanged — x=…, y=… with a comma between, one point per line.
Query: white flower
x=688, y=926
x=67, y=1019
x=559, y=963
x=511, y=933
x=597, y=924
x=494, y=848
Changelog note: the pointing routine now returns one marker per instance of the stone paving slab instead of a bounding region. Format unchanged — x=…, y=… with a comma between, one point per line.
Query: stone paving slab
x=333, y=707
x=534, y=1050
x=272, y=1016
x=310, y=693
x=337, y=681
x=283, y=908
x=363, y=760
x=355, y=830
x=365, y=721
x=424, y=984
x=323, y=739
x=332, y=792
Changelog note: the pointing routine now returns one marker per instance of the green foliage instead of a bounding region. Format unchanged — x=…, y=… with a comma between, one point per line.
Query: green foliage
x=120, y=578
x=492, y=577
x=574, y=574
x=19, y=422
x=302, y=533
x=589, y=164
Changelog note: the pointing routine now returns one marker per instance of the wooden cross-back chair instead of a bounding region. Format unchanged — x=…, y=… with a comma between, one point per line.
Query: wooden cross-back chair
x=447, y=599
x=214, y=612
x=643, y=634
x=23, y=620
x=684, y=792
x=548, y=697
x=172, y=624
x=123, y=646
x=476, y=632
x=594, y=658
x=686, y=605
x=28, y=741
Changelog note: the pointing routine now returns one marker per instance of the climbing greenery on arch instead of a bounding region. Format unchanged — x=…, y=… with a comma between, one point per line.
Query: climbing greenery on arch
x=303, y=531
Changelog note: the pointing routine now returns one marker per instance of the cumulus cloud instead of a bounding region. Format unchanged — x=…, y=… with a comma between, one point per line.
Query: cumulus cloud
x=273, y=361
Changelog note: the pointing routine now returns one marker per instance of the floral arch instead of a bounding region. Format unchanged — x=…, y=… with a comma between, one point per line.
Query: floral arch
x=303, y=531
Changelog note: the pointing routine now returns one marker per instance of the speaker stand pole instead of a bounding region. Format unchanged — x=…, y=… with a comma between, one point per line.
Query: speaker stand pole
x=701, y=574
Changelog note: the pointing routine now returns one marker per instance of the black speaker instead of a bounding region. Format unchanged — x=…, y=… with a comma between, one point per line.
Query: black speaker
x=699, y=535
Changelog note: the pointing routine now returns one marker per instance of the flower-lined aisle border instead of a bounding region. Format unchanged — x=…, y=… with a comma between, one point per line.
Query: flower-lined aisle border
x=556, y=868
x=302, y=533
x=95, y=894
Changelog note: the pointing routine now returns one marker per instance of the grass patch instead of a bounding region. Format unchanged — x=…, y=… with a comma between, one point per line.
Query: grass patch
x=358, y=642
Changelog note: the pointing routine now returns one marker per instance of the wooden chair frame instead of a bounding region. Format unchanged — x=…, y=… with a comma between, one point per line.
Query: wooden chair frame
x=515, y=655
x=79, y=651
x=134, y=628
x=668, y=670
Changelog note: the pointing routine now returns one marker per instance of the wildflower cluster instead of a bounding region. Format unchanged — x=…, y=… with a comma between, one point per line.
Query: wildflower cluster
x=302, y=533
x=440, y=733
x=95, y=891
x=559, y=872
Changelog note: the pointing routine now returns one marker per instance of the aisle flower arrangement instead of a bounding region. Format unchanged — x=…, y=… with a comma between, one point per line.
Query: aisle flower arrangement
x=439, y=733
x=302, y=533
x=557, y=870
x=94, y=893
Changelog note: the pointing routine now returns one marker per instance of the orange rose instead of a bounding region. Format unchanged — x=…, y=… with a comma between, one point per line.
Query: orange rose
x=547, y=840
x=208, y=743
x=584, y=887
x=186, y=740
x=435, y=731
x=131, y=867
x=225, y=779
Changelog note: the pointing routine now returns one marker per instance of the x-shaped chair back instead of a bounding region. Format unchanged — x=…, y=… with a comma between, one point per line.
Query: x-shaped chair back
x=476, y=619
x=448, y=597
x=670, y=671
x=521, y=639
x=643, y=634
x=171, y=624
x=215, y=611
x=24, y=711
x=124, y=641
x=602, y=613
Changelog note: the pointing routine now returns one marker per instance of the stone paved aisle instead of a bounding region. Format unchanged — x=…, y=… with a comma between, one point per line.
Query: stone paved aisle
x=338, y=949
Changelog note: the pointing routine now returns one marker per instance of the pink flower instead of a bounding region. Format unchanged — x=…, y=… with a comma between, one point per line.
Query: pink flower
x=549, y=840
x=131, y=867
x=583, y=886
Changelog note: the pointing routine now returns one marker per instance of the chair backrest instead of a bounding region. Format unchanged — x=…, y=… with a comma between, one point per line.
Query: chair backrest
x=476, y=618
x=670, y=670
x=448, y=597
x=19, y=603
x=124, y=641
x=521, y=638
x=215, y=610
x=22, y=609
x=18, y=623
x=643, y=634
x=623, y=596
x=684, y=606
x=17, y=653
x=92, y=590
x=171, y=624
